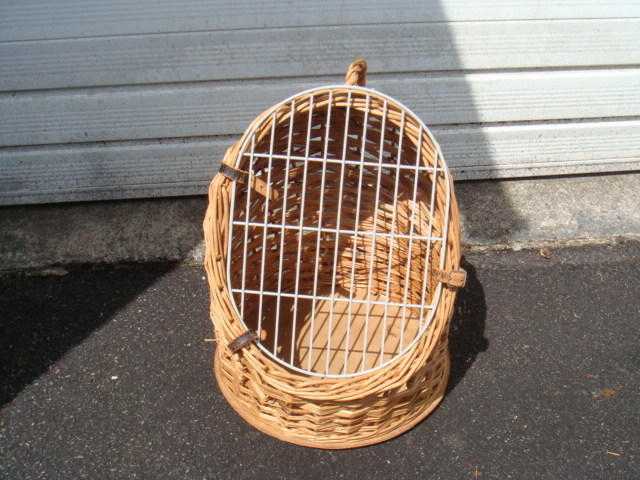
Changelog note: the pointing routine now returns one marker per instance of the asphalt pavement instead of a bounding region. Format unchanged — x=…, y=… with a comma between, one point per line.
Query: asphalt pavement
x=106, y=373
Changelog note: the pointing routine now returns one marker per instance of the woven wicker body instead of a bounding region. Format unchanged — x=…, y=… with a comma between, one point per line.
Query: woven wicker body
x=322, y=372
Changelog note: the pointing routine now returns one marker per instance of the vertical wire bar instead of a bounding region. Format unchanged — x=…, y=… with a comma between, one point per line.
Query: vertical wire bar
x=284, y=214
x=246, y=226
x=304, y=189
x=355, y=234
x=429, y=235
x=315, y=273
x=414, y=209
x=373, y=236
x=335, y=247
x=391, y=237
x=266, y=221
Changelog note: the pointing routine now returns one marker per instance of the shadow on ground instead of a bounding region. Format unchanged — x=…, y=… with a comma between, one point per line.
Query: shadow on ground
x=43, y=318
x=466, y=333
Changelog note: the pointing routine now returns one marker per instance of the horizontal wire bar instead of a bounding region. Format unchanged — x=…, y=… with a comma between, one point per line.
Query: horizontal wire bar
x=394, y=166
x=328, y=299
x=278, y=226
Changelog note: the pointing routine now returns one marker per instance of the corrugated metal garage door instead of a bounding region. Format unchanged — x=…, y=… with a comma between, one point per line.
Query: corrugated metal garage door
x=119, y=99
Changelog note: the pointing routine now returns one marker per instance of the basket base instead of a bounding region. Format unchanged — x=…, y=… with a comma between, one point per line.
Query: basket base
x=359, y=357
x=336, y=442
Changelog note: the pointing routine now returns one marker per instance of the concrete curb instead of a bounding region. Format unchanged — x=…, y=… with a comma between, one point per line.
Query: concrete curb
x=495, y=214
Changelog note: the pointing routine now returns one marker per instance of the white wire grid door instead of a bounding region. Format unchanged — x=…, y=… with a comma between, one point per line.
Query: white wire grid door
x=332, y=266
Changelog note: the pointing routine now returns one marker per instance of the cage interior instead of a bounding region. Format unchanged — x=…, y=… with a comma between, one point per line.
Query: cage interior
x=332, y=268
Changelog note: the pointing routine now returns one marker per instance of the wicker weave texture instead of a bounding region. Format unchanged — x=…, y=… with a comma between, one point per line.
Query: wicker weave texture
x=363, y=386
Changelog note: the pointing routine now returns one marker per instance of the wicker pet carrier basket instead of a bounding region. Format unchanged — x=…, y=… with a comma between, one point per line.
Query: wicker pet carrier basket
x=332, y=254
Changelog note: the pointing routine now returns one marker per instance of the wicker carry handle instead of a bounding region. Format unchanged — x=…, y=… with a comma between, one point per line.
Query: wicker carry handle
x=357, y=73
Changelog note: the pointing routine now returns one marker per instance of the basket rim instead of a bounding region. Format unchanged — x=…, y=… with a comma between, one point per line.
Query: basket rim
x=440, y=164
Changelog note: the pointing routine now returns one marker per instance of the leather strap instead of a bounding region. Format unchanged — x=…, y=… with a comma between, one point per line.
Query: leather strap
x=242, y=341
x=231, y=173
x=452, y=278
x=240, y=176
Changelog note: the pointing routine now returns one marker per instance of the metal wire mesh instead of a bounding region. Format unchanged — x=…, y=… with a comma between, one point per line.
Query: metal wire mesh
x=331, y=266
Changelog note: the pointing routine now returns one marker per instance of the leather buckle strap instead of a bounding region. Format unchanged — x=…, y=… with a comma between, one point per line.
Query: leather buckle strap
x=242, y=341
